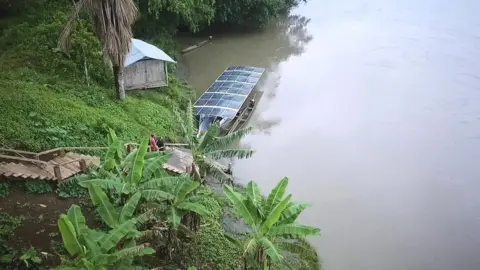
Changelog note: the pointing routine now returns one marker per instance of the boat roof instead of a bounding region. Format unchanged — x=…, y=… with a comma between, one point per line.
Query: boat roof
x=225, y=96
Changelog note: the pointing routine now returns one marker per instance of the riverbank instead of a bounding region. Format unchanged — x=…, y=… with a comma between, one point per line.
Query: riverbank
x=52, y=99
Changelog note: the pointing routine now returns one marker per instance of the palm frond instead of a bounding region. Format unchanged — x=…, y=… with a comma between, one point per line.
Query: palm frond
x=227, y=140
x=65, y=37
x=112, y=21
x=139, y=250
x=213, y=168
x=155, y=164
x=107, y=184
x=194, y=207
x=294, y=247
x=208, y=137
x=184, y=125
x=241, y=207
x=230, y=153
x=156, y=195
x=293, y=229
x=253, y=193
x=291, y=213
x=232, y=239
x=272, y=251
x=129, y=208
x=183, y=188
x=274, y=214
x=190, y=121
x=276, y=194
x=149, y=234
x=250, y=246
x=166, y=183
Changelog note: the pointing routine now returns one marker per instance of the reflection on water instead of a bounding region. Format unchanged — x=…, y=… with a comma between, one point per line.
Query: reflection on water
x=285, y=37
x=376, y=122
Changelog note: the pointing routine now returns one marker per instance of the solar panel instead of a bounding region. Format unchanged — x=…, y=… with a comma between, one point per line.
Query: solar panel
x=225, y=96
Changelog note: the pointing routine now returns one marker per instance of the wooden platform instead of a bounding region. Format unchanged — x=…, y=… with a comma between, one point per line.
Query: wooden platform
x=182, y=159
x=60, y=165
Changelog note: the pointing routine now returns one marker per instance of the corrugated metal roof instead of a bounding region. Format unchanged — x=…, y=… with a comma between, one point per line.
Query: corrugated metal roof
x=142, y=50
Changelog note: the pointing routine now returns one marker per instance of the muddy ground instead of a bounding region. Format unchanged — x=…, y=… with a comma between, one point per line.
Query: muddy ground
x=41, y=212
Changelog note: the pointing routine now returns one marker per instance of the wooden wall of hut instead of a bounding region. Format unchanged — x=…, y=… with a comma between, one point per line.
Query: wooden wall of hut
x=145, y=74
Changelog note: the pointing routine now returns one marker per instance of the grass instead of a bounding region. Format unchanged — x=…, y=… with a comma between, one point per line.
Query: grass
x=39, y=113
x=49, y=101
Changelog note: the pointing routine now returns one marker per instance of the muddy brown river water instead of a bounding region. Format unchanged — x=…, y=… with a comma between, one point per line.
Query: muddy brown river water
x=372, y=108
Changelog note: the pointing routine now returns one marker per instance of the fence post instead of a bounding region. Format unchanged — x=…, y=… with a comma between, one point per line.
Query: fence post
x=83, y=165
x=57, y=172
x=129, y=148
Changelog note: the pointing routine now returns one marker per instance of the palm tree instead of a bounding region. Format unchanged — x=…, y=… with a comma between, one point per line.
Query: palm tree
x=208, y=147
x=112, y=22
x=273, y=223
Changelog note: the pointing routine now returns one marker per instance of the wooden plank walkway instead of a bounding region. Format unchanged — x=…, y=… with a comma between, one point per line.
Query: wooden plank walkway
x=61, y=163
x=59, y=168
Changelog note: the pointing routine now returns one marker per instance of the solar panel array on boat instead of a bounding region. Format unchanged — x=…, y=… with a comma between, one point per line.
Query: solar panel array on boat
x=225, y=96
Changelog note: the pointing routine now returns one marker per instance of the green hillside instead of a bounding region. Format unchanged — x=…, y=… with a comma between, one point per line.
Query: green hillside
x=52, y=99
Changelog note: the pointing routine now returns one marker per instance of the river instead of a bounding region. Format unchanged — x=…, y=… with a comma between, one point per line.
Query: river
x=372, y=108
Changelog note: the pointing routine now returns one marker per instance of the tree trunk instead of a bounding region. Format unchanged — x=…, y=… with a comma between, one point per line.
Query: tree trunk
x=194, y=173
x=119, y=86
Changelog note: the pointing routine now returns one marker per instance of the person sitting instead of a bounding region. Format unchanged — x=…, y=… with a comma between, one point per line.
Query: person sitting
x=153, y=143
x=160, y=144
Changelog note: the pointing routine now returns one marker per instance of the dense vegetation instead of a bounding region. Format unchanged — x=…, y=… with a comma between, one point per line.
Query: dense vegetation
x=68, y=99
x=140, y=215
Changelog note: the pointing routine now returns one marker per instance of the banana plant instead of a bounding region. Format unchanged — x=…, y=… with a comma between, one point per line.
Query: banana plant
x=179, y=197
x=96, y=250
x=273, y=223
x=140, y=170
x=208, y=147
x=179, y=204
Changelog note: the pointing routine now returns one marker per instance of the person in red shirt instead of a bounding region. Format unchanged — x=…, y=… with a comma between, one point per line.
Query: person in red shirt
x=153, y=143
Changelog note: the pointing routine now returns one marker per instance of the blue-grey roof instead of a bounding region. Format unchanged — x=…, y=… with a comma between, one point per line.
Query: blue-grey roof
x=141, y=50
x=225, y=96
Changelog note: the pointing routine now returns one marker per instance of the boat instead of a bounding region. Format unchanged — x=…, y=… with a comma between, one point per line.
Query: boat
x=230, y=100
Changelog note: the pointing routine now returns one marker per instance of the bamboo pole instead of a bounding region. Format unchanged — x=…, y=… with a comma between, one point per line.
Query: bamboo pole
x=198, y=45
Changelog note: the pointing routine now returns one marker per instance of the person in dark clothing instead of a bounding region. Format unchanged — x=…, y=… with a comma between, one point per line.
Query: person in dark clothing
x=160, y=144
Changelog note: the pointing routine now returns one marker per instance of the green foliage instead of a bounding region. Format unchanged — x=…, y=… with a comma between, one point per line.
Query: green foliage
x=273, y=223
x=193, y=14
x=4, y=189
x=8, y=224
x=92, y=249
x=209, y=146
x=20, y=259
x=9, y=256
x=212, y=250
x=71, y=189
x=39, y=186
x=250, y=13
x=44, y=115
x=49, y=100
x=34, y=43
